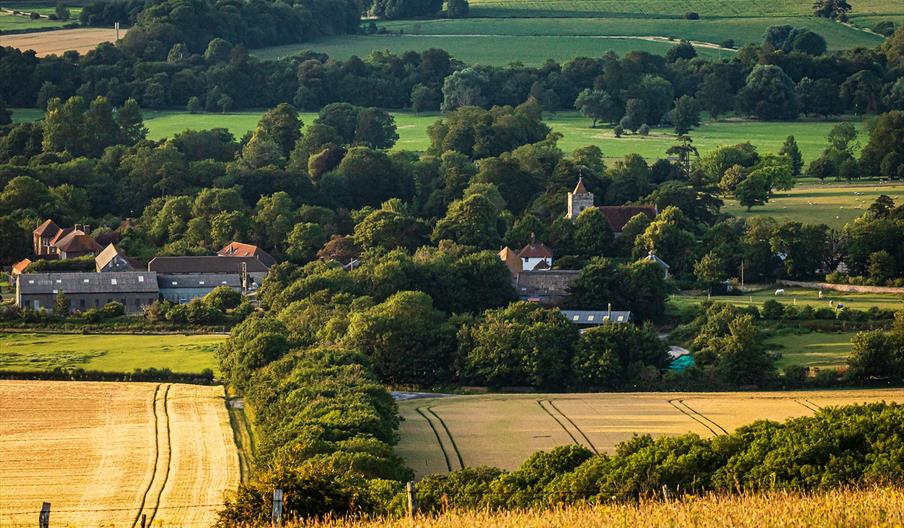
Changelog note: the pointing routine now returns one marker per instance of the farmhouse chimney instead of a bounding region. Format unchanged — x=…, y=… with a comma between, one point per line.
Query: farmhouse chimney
x=87, y=229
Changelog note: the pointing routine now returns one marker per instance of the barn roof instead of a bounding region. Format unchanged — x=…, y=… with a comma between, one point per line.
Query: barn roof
x=596, y=317
x=618, y=215
x=20, y=266
x=87, y=282
x=199, y=280
x=104, y=257
x=205, y=264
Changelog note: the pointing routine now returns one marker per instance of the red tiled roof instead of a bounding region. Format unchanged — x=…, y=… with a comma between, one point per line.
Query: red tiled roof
x=618, y=215
x=48, y=227
x=20, y=266
x=77, y=242
x=238, y=249
x=535, y=250
x=60, y=235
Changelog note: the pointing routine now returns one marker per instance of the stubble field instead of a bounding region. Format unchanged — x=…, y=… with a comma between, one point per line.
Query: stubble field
x=502, y=430
x=104, y=454
x=58, y=42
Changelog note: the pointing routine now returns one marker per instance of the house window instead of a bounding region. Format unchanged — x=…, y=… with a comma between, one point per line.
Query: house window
x=621, y=318
x=85, y=281
x=590, y=317
x=576, y=317
x=141, y=278
x=201, y=282
x=113, y=281
x=81, y=303
x=137, y=302
x=123, y=302
x=97, y=303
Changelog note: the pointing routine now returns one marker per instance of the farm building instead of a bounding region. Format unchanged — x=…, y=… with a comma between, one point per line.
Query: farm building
x=580, y=199
x=212, y=265
x=20, y=267
x=548, y=287
x=185, y=287
x=238, y=249
x=590, y=318
x=135, y=290
x=112, y=259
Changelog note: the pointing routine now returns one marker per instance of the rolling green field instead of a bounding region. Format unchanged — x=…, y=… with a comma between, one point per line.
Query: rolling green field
x=476, y=49
x=10, y=22
x=109, y=352
x=814, y=349
x=800, y=297
x=833, y=204
x=412, y=128
x=741, y=30
x=530, y=31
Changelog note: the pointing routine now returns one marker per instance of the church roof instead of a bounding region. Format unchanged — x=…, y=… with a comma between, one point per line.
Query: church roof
x=618, y=215
x=579, y=188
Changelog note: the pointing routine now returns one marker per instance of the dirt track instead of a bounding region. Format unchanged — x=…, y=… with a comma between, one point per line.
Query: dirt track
x=57, y=42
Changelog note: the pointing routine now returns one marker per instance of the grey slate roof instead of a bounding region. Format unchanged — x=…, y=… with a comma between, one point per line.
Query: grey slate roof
x=596, y=317
x=87, y=282
x=199, y=280
x=205, y=264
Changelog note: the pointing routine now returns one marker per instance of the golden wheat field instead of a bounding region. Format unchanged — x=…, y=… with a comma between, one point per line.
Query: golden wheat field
x=103, y=454
x=880, y=507
x=60, y=41
x=502, y=430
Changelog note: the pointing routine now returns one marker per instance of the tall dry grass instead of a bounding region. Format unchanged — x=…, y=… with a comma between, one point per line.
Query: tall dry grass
x=876, y=507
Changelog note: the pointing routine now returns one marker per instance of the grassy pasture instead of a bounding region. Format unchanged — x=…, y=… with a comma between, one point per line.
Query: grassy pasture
x=109, y=352
x=105, y=453
x=741, y=30
x=814, y=349
x=833, y=204
x=800, y=297
x=11, y=22
x=870, y=507
x=662, y=9
x=504, y=429
x=486, y=49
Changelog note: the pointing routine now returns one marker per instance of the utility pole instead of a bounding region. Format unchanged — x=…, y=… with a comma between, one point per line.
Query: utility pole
x=411, y=491
x=276, y=518
x=44, y=517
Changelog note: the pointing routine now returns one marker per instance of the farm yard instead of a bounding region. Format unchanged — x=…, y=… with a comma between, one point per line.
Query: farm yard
x=103, y=454
x=443, y=434
x=109, y=352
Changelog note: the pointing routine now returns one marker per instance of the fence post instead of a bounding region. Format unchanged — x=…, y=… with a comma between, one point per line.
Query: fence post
x=276, y=521
x=44, y=517
x=412, y=499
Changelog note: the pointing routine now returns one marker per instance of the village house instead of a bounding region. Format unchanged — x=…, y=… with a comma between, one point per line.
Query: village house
x=51, y=242
x=135, y=290
x=535, y=255
x=592, y=318
x=20, y=267
x=580, y=199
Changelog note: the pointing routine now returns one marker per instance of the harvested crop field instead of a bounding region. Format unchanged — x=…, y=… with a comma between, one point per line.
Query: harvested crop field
x=46, y=43
x=103, y=454
x=502, y=430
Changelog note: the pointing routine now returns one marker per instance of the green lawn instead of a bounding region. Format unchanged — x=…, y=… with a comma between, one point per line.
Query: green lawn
x=800, y=297
x=412, y=128
x=833, y=204
x=741, y=30
x=109, y=352
x=475, y=49
x=10, y=22
x=814, y=349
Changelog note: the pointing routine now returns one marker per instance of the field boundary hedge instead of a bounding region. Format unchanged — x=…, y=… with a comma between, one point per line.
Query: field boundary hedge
x=151, y=375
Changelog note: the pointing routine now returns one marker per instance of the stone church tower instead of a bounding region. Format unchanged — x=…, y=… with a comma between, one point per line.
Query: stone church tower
x=578, y=200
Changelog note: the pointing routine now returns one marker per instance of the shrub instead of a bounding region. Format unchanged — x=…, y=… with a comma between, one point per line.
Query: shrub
x=113, y=309
x=691, y=15
x=644, y=130
x=772, y=309
x=728, y=43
